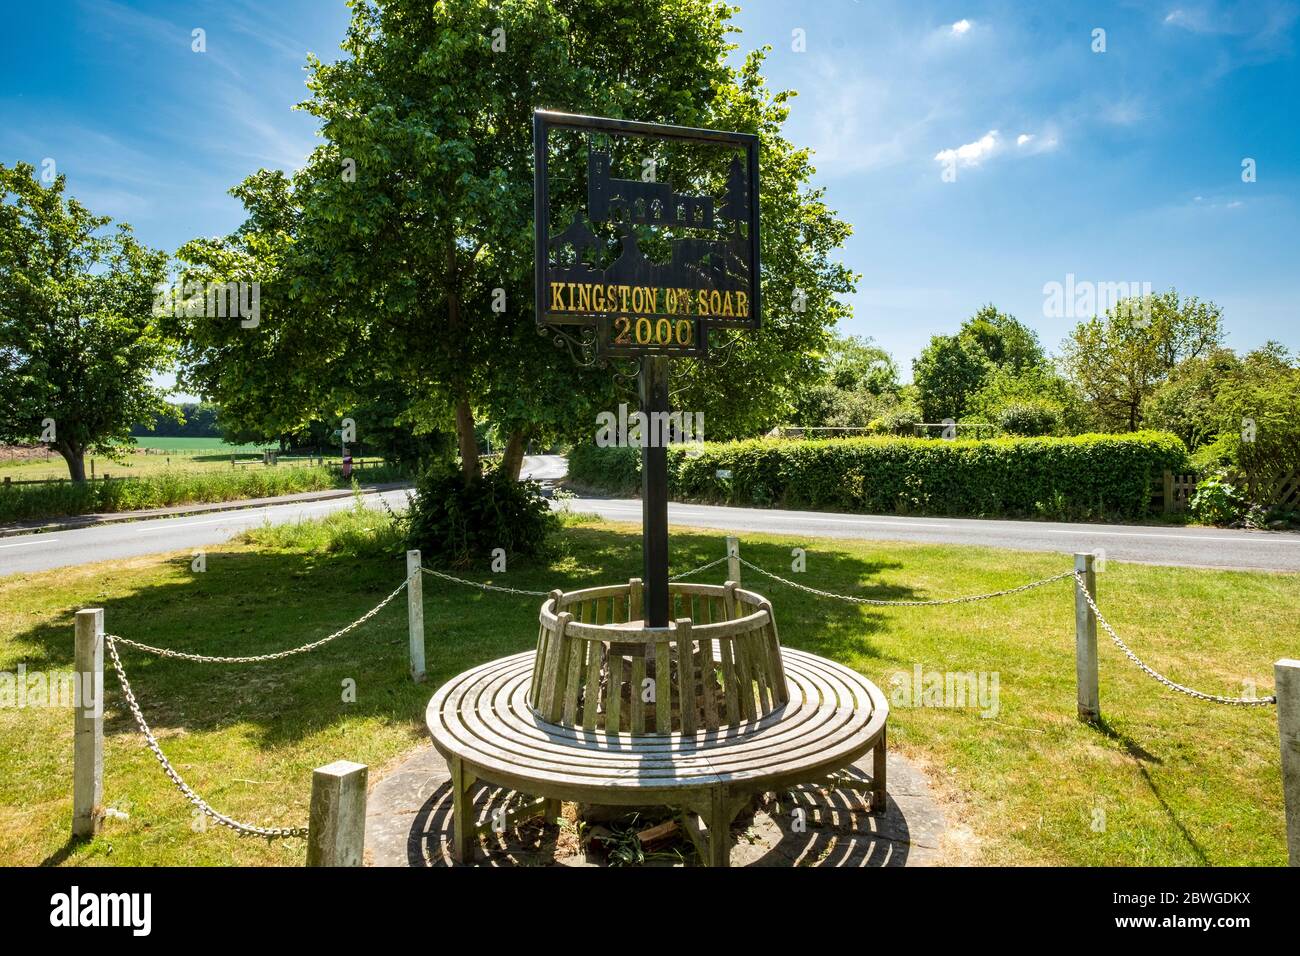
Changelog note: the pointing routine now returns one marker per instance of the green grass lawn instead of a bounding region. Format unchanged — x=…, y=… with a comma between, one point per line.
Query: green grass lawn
x=1179, y=781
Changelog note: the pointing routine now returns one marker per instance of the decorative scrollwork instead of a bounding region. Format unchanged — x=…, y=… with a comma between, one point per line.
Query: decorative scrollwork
x=581, y=347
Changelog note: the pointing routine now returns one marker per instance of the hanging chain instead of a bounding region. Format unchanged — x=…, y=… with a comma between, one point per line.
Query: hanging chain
x=702, y=567
x=526, y=593
x=243, y=829
x=939, y=602
x=1212, y=698
x=278, y=655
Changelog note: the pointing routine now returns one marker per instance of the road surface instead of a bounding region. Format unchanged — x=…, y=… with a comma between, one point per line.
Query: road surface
x=1190, y=547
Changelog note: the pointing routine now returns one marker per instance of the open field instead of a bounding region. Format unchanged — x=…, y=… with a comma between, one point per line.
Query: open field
x=1176, y=781
x=215, y=445
x=152, y=455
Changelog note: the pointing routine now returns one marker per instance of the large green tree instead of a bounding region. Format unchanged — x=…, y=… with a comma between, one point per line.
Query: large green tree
x=403, y=251
x=78, y=341
x=952, y=369
x=1117, y=361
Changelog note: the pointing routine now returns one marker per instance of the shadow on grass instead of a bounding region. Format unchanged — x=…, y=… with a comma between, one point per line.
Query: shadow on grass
x=1134, y=749
x=1142, y=757
x=250, y=603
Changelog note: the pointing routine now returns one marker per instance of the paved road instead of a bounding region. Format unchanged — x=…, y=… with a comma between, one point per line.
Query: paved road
x=130, y=539
x=1192, y=547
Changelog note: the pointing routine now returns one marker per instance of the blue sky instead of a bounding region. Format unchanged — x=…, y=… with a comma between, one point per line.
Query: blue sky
x=1115, y=166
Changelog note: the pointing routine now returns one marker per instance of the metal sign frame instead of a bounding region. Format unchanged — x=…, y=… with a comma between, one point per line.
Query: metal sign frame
x=710, y=270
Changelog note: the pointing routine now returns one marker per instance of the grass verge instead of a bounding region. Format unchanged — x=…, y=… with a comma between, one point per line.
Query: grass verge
x=166, y=488
x=1165, y=781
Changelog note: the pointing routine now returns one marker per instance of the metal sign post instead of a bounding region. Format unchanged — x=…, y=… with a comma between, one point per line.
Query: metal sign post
x=644, y=271
x=654, y=493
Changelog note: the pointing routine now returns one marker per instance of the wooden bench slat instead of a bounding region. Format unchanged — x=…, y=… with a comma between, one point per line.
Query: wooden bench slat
x=591, y=695
x=744, y=680
x=709, y=685
x=686, y=675
x=613, y=692
x=663, y=689
x=573, y=678
x=637, y=708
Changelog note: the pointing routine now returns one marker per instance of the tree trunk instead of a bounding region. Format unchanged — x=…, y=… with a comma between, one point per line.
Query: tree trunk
x=75, y=456
x=469, y=463
x=512, y=459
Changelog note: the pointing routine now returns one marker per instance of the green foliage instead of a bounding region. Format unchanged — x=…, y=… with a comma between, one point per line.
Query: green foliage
x=358, y=532
x=1086, y=476
x=379, y=258
x=159, y=490
x=454, y=521
x=1040, y=392
x=613, y=470
x=948, y=373
x=195, y=420
x=1005, y=341
x=952, y=370
x=1120, y=360
x=1029, y=418
x=855, y=364
x=1187, y=402
x=78, y=341
x=1257, y=412
x=1217, y=501
x=901, y=420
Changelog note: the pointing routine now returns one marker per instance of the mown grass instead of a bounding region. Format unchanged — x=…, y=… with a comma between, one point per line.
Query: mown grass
x=166, y=488
x=1179, y=782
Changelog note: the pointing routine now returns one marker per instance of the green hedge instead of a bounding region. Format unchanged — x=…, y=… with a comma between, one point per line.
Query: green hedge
x=1086, y=476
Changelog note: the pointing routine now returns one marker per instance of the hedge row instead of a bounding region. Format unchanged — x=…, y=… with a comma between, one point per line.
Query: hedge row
x=1085, y=476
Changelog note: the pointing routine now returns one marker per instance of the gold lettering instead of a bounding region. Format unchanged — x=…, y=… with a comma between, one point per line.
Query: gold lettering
x=584, y=297
x=742, y=304
x=557, y=297
x=702, y=302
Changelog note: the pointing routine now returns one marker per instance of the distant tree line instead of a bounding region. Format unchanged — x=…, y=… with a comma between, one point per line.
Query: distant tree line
x=196, y=420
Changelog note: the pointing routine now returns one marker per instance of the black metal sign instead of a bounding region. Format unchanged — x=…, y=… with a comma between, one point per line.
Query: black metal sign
x=649, y=267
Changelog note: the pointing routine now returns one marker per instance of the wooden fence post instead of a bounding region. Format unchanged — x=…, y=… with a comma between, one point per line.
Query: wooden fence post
x=1169, y=492
x=1286, y=683
x=336, y=825
x=733, y=559
x=88, y=724
x=1085, y=641
x=415, y=614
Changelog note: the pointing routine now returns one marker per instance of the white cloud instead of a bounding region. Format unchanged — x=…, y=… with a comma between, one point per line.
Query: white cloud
x=1034, y=143
x=971, y=154
x=961, y=27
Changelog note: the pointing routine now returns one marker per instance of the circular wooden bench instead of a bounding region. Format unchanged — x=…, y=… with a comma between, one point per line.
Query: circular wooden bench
x=804, y=718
